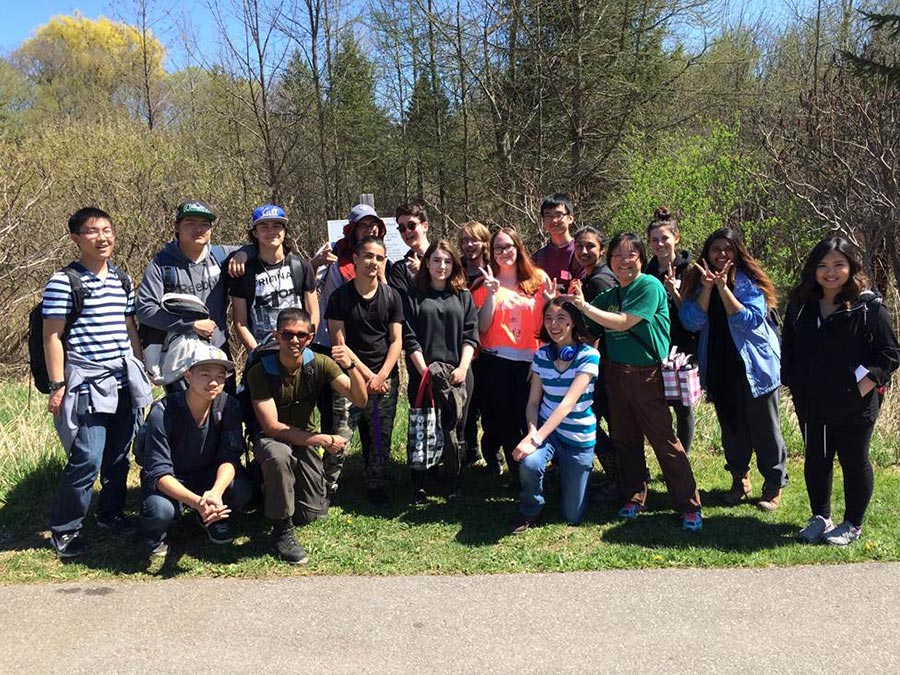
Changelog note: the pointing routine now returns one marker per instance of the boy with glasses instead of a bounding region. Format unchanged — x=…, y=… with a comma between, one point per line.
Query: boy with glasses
x=557, y=257
x=97, y=383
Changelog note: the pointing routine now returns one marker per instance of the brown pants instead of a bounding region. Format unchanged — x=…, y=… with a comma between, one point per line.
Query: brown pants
x=637, y=409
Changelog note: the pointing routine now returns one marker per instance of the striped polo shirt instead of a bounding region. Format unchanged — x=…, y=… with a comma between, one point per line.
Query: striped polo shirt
x=99, y=333
x=579, y=428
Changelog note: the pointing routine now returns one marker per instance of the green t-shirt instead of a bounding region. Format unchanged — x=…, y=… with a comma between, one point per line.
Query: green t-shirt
x=295, y=398
x=645, y=297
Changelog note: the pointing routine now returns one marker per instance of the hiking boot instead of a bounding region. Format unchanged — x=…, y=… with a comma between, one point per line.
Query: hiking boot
x=816, y=528
x=67, y=544
x=771, y=499
x=692, y=522
x=286, y=545
x=377, y=496
x=844, y=534
x=740, y=489
x=218, y=532
x=520, y=522
x=118, y=523
x=158, y=548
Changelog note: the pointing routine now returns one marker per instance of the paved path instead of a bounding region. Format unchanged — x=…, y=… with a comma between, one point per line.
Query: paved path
x=801, y=619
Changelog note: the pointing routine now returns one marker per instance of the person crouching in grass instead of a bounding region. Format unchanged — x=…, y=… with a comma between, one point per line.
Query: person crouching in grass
x=192, y=454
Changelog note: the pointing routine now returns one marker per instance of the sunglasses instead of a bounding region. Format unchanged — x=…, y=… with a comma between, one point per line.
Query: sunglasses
x=290, y=335
x=409, y=226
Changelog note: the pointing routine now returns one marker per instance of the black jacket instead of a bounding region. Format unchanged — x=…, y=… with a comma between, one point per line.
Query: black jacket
x=678, y=334
x=819, y=358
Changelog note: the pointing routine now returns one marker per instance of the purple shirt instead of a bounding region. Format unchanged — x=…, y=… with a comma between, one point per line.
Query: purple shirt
x=559, y=263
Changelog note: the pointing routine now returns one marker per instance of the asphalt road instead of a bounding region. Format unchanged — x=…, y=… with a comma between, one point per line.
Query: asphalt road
x=802, y=619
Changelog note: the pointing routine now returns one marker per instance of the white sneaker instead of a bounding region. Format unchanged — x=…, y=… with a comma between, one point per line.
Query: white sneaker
x=816, y=528
x=844, y=534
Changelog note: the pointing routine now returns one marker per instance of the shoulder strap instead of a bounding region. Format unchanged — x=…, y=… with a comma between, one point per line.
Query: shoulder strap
x=218, y=254
x=298, y=275
x=270, y=365
x=79, y=293
x=169, y=278
x=249, y=280
x=123, y=277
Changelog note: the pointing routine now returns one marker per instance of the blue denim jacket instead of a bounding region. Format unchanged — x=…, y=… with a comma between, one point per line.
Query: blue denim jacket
x=756, y=341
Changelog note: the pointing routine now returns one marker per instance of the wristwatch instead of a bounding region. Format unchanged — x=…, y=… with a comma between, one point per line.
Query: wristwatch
x=56, y=386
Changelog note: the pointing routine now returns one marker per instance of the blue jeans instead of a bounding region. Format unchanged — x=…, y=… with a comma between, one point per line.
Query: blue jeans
x=101, y=446
x=159, y=510
x=575, y=466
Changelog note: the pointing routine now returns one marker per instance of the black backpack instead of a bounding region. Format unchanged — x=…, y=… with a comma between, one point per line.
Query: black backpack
x=36, y=358
x=139, y=442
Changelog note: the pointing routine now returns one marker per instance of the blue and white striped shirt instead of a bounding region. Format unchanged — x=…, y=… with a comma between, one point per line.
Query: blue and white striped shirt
x=99, y=333
x=579, y=428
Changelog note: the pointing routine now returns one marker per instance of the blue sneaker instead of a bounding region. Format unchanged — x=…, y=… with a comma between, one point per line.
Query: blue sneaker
x=631, y=510
x=692, y=522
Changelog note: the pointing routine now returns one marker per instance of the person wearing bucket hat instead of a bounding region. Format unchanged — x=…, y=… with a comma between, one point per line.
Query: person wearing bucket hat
x=274, y=280
x=190, y=264
x=192, y=446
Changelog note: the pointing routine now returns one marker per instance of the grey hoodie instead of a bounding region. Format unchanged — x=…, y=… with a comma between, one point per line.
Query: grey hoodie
x=204, y=279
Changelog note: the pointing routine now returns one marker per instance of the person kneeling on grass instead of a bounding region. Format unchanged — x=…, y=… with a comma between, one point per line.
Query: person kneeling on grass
x=560, y=417
x=192, y=454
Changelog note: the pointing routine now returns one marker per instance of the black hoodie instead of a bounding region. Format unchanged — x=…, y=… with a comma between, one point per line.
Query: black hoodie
x=819, y=358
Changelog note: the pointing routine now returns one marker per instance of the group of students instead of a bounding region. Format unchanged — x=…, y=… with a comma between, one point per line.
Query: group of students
x=538, y=348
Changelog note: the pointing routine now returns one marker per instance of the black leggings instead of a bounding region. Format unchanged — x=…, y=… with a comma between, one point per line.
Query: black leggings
x=503, y=394
x=851, y=444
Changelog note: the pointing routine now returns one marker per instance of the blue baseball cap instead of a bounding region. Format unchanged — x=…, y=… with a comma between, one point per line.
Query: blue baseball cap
x=268, y=212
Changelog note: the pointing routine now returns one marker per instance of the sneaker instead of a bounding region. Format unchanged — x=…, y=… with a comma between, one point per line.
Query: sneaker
x=218, y=532
x=419, y=496
x=692, y=522
x=630, y=511
x=67, y=545
x=816, y=528
x=844, y=534
x=286, y=545
x=118, y=522
x=158, y=548
x=377, y=496
x=520, y=522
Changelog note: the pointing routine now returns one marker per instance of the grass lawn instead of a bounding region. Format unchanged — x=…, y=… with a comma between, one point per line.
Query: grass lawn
x=468, y=537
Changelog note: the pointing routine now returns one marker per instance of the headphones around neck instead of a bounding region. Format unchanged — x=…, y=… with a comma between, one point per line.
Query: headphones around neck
x=567, y=353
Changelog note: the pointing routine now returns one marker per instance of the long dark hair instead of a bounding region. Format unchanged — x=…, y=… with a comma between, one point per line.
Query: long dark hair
x=743, y=261
x=809, y=289
x=579, y=330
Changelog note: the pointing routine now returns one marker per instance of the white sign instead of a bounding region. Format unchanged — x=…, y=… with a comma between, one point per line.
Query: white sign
x=393, y=242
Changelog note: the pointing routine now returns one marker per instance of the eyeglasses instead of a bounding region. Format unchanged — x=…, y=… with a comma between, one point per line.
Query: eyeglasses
x=409, y=226
x=554, y=215
x=501, y=249
x=93, y=233
x=288, y=335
